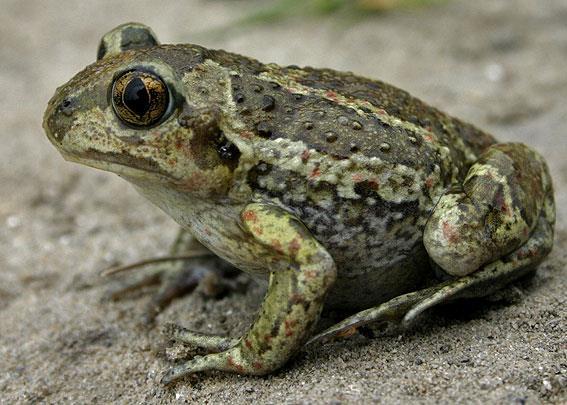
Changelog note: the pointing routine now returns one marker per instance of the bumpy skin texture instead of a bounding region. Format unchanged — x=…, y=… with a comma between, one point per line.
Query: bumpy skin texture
x=339, y=189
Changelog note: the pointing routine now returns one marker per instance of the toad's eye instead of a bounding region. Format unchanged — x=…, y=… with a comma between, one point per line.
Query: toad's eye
x=140, y=99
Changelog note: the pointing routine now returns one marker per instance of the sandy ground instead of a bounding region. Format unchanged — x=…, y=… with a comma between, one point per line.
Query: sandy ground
x=498, y=63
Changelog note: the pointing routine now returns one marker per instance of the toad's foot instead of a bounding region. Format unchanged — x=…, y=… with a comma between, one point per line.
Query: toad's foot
x=177, y=275
x=210, y=343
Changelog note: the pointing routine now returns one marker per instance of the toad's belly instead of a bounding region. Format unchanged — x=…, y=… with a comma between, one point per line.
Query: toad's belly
x=377, y=248
x=355, y=289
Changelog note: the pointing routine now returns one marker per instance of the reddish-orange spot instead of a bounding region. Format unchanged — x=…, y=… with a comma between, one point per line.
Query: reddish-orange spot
x=257, y=365
x=289, y=324
x=331, y=94
x=373, y=184
x=311, y=274
x=505, y=208
x=248, y=343
x=305, y=155
x=450, y=233
x=501, y=203
x=194, y=182
x=315, y=173
x=429, y=182
x=249, y=216
x=257, y=230
x=294, y=246
x=246, y=134
x=357, y=177
x=230, y=361
x=277, y=245
x=296, y=299
x=428, y=138
x=522, y=254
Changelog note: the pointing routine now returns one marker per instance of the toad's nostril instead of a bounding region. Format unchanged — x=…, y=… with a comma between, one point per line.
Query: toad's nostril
x=58, y=117
x=68, y=106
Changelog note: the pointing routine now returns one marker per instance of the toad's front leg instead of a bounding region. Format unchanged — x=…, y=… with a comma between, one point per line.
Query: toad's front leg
x=301, y=274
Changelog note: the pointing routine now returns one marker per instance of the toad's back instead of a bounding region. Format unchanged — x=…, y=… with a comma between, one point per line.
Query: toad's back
x=360, y=162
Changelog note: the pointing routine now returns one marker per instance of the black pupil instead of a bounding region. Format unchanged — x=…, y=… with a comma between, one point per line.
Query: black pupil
x=136, y=97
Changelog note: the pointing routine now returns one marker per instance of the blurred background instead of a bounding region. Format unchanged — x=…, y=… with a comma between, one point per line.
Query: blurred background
x=499, y=64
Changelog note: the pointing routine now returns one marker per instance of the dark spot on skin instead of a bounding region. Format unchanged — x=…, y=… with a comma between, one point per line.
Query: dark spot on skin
x=268, y=103
x=263, y=129
x=239, y=98
x=354, y=148
x=308, y=125
x=298, y=96
x=330, y=137
x=366, y=188
x=256, y=88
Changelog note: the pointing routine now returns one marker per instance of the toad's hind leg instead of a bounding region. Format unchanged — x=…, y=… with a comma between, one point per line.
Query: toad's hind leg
x=493, y=213
x=495, y=229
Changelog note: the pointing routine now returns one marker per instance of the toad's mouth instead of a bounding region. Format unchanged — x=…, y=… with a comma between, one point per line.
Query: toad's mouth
x=121, y=164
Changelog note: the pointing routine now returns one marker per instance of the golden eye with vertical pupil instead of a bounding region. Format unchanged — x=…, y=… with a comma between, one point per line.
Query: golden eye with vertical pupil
x=140, y=98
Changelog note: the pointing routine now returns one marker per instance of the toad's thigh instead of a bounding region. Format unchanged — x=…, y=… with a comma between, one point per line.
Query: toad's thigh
x=495, y=211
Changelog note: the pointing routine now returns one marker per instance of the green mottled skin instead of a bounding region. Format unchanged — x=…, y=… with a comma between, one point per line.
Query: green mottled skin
x=344, y=192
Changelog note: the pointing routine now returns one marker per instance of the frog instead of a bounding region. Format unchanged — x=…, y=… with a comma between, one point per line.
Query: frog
x=338, y=191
